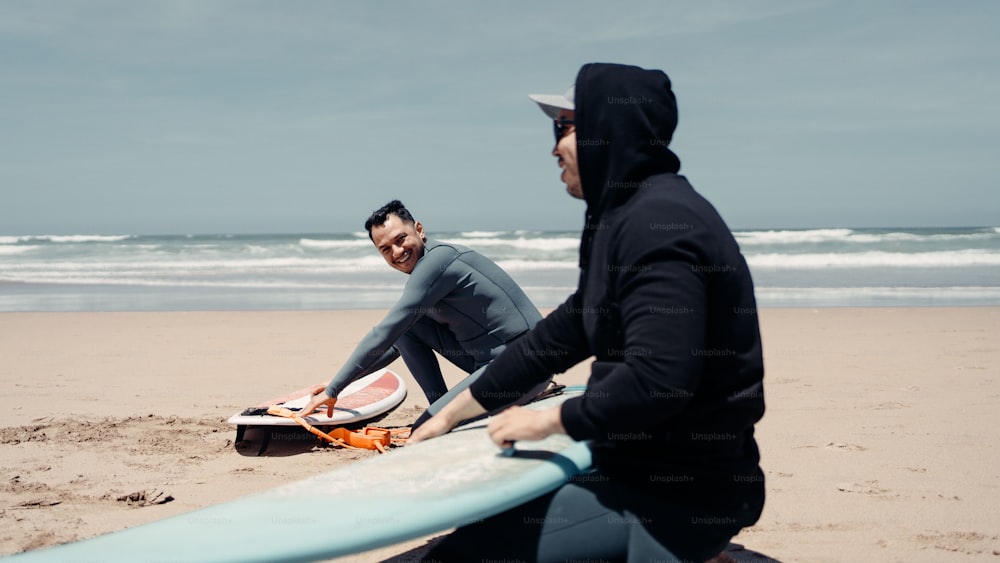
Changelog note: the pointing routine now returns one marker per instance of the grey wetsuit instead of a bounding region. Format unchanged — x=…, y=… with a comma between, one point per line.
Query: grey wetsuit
x=458, y=303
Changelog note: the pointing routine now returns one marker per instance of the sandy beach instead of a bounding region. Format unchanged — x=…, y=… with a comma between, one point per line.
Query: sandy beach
x=879, y=443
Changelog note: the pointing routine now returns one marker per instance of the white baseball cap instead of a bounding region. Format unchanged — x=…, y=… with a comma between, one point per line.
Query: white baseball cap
x=551, y=104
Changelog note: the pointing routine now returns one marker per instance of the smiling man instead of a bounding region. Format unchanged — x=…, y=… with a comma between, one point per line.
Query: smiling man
x=456, y=302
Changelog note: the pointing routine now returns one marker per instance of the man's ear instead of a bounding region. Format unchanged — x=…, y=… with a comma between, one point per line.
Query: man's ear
x=420, y=230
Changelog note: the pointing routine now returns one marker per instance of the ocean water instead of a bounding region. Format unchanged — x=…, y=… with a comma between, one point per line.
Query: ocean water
x=791, y=268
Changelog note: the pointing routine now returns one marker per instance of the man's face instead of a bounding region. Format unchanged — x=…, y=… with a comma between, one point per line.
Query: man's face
x=565, y=151
x=399, y=242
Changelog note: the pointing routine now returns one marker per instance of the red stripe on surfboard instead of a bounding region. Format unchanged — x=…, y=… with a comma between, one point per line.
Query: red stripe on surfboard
x=377, y=390
x=387, y=381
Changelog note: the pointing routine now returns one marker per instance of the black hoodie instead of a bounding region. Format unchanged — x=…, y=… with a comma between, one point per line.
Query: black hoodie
x=665, y=305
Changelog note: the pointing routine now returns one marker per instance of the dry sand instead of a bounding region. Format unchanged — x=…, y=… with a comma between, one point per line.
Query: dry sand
x=879, y=444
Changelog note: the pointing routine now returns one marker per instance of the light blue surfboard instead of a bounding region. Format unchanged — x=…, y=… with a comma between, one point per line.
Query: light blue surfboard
x=404, y=494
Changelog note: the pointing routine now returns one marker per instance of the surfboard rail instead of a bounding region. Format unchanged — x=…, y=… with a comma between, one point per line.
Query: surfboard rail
x=407, y=493
x=365, y=398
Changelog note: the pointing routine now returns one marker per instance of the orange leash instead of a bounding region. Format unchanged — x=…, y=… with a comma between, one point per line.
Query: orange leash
x=369, y=438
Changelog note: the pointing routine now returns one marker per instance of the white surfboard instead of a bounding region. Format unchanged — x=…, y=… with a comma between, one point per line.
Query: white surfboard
x=404, y=494
x=365, y=398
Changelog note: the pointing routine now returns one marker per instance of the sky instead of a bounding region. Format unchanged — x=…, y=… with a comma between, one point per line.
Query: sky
x=245, y=116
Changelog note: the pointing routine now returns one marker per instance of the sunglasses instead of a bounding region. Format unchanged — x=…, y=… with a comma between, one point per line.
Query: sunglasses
x=561, y=127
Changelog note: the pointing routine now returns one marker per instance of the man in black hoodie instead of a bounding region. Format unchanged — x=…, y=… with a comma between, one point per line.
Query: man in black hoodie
x=665, y=305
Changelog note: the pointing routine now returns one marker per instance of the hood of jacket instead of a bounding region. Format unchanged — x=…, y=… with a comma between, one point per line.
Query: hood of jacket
x=625, y=117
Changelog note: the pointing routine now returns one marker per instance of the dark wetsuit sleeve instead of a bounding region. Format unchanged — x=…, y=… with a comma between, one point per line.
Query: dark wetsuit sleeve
x=553, y=346
x=426, y=286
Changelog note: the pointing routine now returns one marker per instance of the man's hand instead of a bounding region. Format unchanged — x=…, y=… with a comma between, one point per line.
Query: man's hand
x=432, y=428
x=462, y=407
x=519, y=423
x=319, y=399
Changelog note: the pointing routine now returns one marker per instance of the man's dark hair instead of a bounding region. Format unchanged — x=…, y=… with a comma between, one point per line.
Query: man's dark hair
x=380, y=215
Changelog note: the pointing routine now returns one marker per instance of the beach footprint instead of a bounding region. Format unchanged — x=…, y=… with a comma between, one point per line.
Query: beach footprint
x=892, y=405
x=871, y=488
x=845, y=447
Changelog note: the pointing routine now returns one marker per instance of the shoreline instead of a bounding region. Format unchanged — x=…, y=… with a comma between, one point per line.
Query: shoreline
x=875, y=445
x=24, y=297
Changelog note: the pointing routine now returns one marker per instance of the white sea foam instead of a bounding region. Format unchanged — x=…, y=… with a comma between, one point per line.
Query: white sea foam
x=850, y=236
x=822, y=296
x=914, y=237
x=177, y=268
x=343, y=270
x=481, y=234
x=63, y=238
x=7, y=250
x=258, y=249
x=234, y=284
x=326, y=244
x=527, y=265
x=874, y=259
x=541, y=243
x=792, y=237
